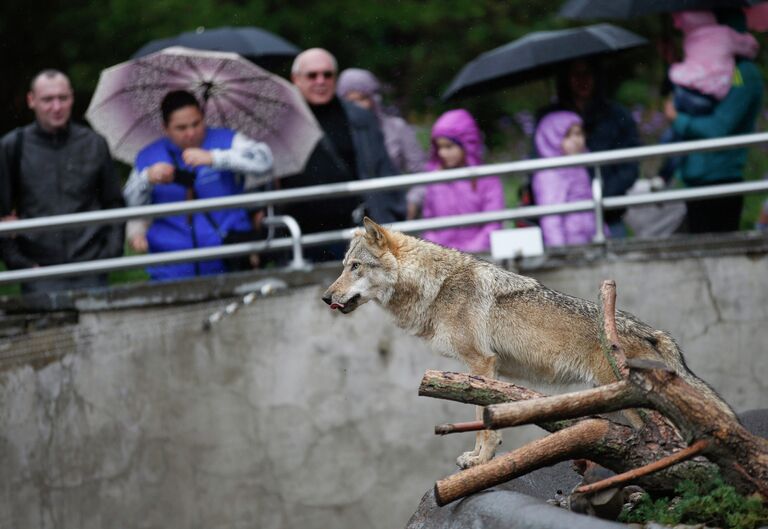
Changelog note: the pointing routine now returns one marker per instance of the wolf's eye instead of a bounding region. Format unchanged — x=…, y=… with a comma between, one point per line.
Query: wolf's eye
x=354, y=266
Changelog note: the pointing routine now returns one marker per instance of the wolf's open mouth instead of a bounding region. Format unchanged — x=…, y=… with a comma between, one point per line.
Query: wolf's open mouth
x=350, y=305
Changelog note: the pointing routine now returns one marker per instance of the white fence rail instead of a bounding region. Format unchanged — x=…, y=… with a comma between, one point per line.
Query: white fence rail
x=321, y=192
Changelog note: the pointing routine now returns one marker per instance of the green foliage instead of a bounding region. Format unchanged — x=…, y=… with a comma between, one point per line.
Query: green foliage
x=713, y=503
x=416, y=46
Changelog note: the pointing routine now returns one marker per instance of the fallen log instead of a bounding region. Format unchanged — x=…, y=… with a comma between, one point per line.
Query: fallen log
x=741, y=456
x=618, y=447
x=572, y=442
x=651, y=452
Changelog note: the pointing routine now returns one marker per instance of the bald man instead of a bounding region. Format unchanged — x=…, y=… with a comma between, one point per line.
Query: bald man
x=352, y=148
x=52, y=167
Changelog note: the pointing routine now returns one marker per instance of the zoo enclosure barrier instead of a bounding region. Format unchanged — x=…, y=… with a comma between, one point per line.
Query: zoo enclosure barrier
x=298, y=240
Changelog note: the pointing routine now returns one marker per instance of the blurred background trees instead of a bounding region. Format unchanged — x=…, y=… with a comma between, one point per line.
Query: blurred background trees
x=416, y=47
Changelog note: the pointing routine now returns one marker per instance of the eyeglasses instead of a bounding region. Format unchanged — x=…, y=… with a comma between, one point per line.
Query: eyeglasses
x=327, y=74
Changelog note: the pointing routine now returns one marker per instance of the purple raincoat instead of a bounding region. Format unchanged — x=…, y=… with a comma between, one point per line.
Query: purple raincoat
x=462, y=196
x=557, y=186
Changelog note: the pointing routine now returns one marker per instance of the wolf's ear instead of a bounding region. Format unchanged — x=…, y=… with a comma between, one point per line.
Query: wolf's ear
x=374, y=232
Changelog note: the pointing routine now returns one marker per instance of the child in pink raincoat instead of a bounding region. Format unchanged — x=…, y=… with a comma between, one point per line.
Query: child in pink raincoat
x=705, y=75
x=560, y=133
x=457, y=142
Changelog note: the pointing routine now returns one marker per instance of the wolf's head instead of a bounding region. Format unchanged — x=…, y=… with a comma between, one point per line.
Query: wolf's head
x=370, y=269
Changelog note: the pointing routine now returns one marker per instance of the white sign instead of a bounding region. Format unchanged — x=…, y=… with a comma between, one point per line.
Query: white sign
x=517, y=242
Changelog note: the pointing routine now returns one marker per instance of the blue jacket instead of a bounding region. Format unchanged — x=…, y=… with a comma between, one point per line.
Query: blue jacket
x=734, y=114
x=201, y=230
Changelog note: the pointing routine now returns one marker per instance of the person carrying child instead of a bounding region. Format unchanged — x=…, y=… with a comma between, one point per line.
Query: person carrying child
x=736, y=113
x=705, y=75
x=456, y=141
x=560, y=133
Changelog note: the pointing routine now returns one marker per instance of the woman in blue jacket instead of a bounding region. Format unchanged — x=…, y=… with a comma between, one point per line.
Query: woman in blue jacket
x=192, y=161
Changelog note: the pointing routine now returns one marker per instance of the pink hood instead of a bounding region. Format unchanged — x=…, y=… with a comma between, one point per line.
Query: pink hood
x=552, y=130
x=461, y=197
x=459, y=126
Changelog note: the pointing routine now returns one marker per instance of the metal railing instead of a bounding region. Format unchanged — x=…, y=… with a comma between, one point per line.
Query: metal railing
x=326, y=191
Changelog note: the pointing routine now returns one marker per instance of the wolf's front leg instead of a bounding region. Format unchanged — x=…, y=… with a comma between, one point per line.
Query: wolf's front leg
x=486, y=441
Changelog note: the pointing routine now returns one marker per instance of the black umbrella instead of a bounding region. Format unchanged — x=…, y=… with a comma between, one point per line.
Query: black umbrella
x=585, y=9
x=536, y=55
x=254, y=43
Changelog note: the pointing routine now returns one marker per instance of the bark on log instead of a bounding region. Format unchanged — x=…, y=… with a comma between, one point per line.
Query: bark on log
x=470, y=389
x=572, y=442
x=481, y=391
x=621, y=448
x=741, y=456
x=603, y=399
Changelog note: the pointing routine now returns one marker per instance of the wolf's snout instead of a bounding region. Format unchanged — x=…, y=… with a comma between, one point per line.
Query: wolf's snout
x=328, y=298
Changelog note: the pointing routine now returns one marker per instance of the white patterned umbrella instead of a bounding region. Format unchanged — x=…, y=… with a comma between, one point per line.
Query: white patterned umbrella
x=233, y=91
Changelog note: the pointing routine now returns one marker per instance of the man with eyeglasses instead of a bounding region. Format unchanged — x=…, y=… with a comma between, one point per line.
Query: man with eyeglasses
x=53, y=167
x=352, y=148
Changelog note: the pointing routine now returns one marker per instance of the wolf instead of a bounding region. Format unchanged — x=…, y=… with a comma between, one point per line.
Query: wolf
x=497, y=322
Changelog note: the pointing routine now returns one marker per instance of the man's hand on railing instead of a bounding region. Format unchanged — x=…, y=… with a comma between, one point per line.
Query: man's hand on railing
x=136, y=234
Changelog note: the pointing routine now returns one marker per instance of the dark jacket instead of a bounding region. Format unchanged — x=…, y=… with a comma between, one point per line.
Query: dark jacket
x=373, y=162
x=67, y=172
x=326, y=165
x=610, y=126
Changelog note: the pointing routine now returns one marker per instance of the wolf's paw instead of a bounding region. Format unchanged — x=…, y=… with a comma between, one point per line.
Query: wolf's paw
x=469, y=459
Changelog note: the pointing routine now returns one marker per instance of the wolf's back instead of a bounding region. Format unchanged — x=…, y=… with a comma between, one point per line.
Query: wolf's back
x=656, y=344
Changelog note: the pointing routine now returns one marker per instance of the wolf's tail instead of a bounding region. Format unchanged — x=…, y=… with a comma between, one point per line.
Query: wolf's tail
x=672, y=355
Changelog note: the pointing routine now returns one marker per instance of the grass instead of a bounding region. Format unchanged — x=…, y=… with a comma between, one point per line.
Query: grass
x=713, y=503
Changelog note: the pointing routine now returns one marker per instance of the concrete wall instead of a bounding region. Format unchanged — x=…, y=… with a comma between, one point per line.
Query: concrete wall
x=285, y=414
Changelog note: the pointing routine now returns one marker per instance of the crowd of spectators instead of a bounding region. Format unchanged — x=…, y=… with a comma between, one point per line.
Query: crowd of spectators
x=55, y=166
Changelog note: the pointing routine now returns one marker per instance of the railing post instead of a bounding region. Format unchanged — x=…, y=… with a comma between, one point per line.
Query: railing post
x=298, y=262
x=597, y=197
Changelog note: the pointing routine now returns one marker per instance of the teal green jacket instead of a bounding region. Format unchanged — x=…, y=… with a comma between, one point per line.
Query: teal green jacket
x=735, y=114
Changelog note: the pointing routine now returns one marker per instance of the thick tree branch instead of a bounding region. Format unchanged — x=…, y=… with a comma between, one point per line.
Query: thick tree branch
x=471, y=389
x=477, y=390
x=575, y=441
x=603, y=399
x=620, y=449
x=609, y=336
